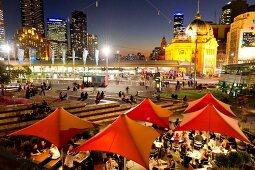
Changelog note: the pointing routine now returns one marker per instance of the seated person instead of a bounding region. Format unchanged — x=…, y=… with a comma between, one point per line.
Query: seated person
x=170, y=162
x=204, y=155
x=111, y=164
x=55, y=154
x=212, y=143
x=42, y=146
x=35, y=150
x=224, y=144
x=197, y=164
x=82, y=96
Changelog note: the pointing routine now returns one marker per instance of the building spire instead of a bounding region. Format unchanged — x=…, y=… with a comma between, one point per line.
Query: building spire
x=198, y=10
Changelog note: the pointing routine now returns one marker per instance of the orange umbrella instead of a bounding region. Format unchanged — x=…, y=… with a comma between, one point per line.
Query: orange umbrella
x=211, y=119
x=58, y=128
x=209, y=99
x=150, y=112
x=124, y=137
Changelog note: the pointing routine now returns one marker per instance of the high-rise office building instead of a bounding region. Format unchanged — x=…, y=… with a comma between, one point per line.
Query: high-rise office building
x=2, y=30
x=32, y=14
x=57, y=35
x=92, y=44
x=178, y=23
x=78, y=32
x=233, y=9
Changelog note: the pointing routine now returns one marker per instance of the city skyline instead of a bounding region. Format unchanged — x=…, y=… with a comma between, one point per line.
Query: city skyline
x=126, y=26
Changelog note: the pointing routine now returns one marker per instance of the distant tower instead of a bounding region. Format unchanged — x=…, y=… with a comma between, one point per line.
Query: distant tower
x=92, y=44
x=2, y=30
x=78, y=31
x=178, y=23
x=57, y=34
x=163, y=43
x=233, y=9
x=32, y=14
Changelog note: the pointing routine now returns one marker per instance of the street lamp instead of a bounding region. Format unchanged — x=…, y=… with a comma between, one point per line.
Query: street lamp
x=106, y=51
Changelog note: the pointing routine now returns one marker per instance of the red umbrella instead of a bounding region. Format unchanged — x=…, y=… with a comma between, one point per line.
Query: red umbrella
x=211, y=119
x=209, y=99
x=150, y=112
x=124, y=137
x=58, y=128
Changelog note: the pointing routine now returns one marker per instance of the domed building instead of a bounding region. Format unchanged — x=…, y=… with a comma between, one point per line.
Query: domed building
x=198, y=36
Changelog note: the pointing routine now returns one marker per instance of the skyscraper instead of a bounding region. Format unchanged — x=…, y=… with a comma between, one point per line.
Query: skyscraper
x=92, y=44
x=57, y=35
x=231, y=10
x=2, y=31
x=178, y=23
x=32, y=14
x=78, y=32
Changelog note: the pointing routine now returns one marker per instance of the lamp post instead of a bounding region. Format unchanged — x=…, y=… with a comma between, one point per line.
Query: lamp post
x=195, y=62
x=106, y=51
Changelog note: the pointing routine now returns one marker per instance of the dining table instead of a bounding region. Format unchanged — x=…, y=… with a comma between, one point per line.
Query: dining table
x=157, y=163
x=41, y=157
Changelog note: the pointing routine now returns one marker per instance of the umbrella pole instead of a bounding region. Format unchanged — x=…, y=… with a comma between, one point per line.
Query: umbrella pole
x=125, y=163
x=62, y=158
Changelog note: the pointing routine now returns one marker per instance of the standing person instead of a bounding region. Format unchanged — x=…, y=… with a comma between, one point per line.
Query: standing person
x=102, y=95
x=119, y=94
x=42, y=89
x=127, y=88
x=86, y=95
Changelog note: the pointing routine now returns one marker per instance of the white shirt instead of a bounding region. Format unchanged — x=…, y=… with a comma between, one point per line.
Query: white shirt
x=54, y=152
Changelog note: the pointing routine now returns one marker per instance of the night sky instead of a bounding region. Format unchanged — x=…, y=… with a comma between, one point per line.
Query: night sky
x=129, y=26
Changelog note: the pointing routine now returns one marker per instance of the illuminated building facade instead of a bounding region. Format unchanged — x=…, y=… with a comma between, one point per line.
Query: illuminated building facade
x=57, y=35
x=241, y=39
x=220, y=32
x=27, y=38
x=231, y=10
x=198, y=36
x=2, y=30
x=78, y=31
x=178, y=23
x=32, y=14
x=92, y=44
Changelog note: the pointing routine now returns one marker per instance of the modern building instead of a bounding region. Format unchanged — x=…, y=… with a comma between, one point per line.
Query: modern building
x=220, y=32
x=78, y=32
x=178, y=23
x=196, y=44
x=92, y=44
x=2, y=30
x=241, y=39
x=32, y=15
x=238, y=79
x=233, y=9
x=57, y=35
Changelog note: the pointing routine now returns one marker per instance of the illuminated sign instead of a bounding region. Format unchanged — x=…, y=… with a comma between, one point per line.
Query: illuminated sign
x=55, y=20
x=179, y=14
x=248, y=39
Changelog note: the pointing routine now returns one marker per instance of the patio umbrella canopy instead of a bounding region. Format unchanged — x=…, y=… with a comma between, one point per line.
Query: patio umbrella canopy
x=58, y=128
x=209, y=99
x=150, y=112
x=124, y=137
x=212, y=120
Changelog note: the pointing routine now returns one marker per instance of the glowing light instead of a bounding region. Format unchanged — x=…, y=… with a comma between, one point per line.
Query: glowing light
x=106, y=50
x=6, y=48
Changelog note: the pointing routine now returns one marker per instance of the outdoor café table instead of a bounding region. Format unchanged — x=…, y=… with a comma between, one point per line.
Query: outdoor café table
x=41, y=157
x=81, y=156
x=158, y=144
x=194, y=155
x=160, y=164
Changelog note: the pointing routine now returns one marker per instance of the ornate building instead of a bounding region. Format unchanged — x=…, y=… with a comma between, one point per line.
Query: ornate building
x=198, y=36
x=28, y=38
